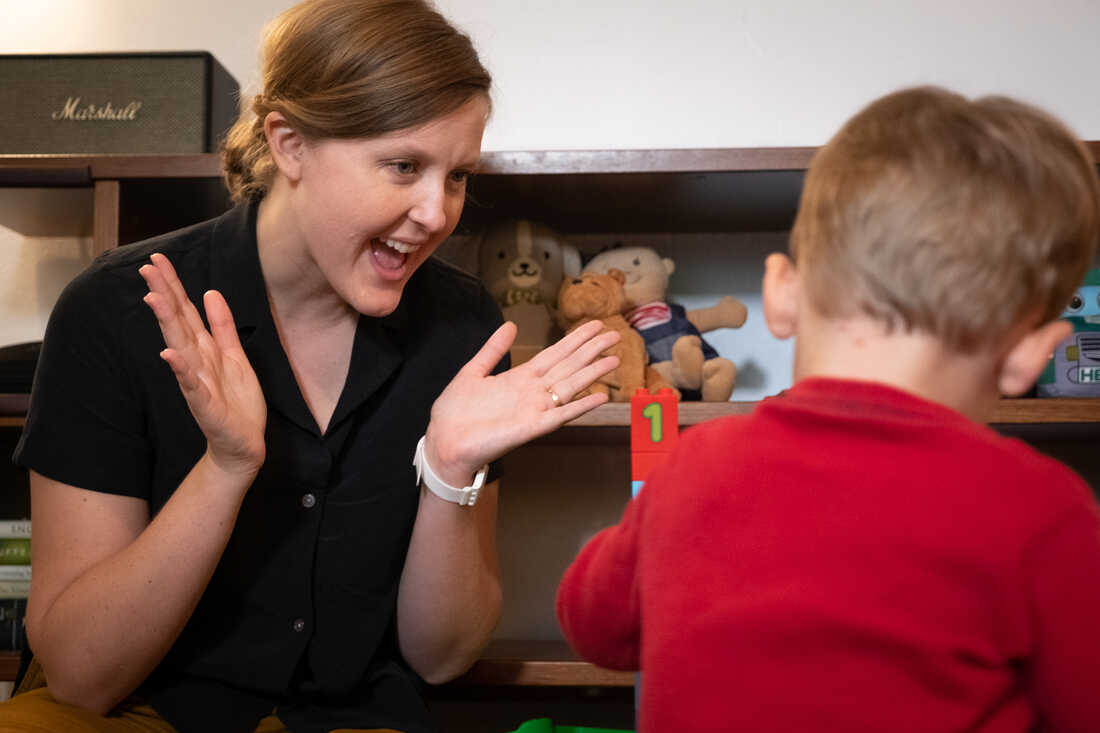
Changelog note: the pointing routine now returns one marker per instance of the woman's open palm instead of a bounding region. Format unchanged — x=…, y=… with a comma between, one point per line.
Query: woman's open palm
x=481, y=416
x=212, y=369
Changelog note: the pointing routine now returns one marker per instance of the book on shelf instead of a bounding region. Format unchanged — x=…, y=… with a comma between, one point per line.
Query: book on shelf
x=12, y=634
x=18, y=589
x=15, y=572
x=15, y=551
x=15, y=529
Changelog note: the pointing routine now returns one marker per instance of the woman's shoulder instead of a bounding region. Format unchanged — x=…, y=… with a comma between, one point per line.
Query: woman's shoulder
x=115, y=272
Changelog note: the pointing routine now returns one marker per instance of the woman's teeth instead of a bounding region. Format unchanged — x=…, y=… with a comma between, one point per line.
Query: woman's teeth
x=401, y=247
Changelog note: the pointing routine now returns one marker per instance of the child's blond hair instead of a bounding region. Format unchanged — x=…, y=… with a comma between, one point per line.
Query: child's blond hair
x=957, y=218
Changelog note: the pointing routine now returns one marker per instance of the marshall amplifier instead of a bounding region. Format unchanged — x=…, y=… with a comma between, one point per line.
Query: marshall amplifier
x=149, y=103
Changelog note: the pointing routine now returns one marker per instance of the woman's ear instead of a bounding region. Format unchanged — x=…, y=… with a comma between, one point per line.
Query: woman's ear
x=780, y=296
x=1027, y=358
x=286, y=145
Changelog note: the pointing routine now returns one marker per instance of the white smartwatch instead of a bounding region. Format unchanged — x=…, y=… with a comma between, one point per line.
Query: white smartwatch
x=466, y=496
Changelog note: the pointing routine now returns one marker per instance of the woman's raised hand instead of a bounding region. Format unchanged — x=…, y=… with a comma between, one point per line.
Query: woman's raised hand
x=212, y=370
x=481, y=416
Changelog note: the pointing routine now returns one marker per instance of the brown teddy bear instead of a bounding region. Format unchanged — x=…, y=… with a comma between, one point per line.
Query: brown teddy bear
x=672, y=334
x=600, y=296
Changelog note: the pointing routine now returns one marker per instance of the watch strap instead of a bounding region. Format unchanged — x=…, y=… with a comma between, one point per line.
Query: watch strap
x=466, y=496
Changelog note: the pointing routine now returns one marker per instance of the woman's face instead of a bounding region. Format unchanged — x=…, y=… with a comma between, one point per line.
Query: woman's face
x=371, y=211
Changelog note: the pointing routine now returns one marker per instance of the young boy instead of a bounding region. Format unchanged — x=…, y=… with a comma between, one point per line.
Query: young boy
x=862, y=553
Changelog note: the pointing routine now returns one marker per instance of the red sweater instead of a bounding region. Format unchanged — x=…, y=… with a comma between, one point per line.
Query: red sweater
x=849, y=558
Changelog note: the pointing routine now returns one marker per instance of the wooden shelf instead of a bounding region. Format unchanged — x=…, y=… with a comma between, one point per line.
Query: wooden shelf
x=1031, y=411
x=520, y=663
x=541, y=162
x=1009, y=411
x=208, y=165
x=9, y=666
x=539, y=663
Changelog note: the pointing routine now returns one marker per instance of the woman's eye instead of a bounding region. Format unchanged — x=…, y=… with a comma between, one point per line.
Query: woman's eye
x=404, y=167
x=460, y=176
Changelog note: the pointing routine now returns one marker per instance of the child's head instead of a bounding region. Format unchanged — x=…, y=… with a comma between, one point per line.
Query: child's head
x=958, y=219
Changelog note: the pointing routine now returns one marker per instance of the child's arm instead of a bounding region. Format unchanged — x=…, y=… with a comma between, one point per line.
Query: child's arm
x=1066, y=589
x=598, y=599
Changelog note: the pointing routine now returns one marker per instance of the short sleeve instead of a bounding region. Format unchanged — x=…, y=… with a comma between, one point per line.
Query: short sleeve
x=86, y=424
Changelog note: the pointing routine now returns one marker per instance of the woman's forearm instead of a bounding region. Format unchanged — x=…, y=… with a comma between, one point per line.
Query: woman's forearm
x=102, y=635
x=449, y=600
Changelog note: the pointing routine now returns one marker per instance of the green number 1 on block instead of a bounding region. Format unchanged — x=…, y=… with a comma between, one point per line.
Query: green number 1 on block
x=652, y=412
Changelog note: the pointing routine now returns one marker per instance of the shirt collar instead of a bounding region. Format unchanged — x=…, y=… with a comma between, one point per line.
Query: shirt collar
x=237, y=275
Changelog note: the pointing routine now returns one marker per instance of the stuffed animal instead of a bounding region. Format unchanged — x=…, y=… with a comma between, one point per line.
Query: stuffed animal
x=522, y=263
x=673, y=335
x=600, y=296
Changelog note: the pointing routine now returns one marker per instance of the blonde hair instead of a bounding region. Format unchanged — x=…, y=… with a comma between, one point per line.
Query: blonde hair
x=958, y=218
x=351, y=69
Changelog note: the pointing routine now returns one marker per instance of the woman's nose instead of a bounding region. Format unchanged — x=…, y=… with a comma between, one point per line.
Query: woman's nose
x=430, y=208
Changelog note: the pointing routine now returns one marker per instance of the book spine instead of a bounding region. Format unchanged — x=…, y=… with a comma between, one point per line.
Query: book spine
x=14, y=589
x=15, y=572
x=15, y=528
x=15, y=551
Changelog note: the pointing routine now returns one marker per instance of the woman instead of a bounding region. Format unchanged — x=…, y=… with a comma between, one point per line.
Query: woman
x=236, y=537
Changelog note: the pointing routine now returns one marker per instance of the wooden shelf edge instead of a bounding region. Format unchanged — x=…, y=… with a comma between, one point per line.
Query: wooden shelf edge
x=1046, y=410
x=672, y=160
x=538, y=664
x=546, y=664
x=120, y=166
x=1008, y=412
x=9, y=666
x=1031, y=411
x=494, y=162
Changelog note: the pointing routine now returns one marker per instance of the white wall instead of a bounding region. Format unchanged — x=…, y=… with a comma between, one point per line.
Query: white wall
x=599, y=74
x=596, y=74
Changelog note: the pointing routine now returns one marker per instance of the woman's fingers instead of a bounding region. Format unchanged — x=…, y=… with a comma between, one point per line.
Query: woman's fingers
x=576, y=381
x=581, y=359
x=572, y=410
x=492, y=351
x=222, y=326
x=546, y=359
x=186, y=308
x=178, y=333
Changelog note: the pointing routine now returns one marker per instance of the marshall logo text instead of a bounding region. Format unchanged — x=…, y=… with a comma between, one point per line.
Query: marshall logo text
x=89, y=112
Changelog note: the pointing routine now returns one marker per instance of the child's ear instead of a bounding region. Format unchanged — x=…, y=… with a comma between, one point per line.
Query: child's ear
x=780, y=295
x=286, y=145
x=1026, y=360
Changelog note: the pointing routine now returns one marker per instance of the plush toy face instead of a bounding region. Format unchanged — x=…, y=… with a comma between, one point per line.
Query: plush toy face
x=592, y=295
x=524, y=261
x=646, y=272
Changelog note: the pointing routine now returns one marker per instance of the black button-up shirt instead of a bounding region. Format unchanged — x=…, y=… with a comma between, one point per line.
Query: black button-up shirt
x=299, y=615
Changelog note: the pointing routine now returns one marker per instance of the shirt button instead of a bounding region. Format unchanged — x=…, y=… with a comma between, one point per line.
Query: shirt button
x=308, y=500
x=299, y=625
